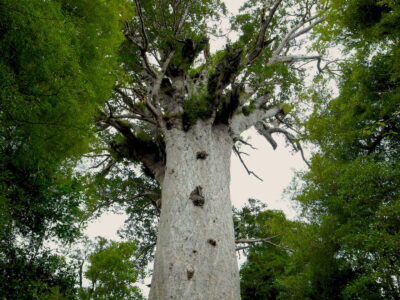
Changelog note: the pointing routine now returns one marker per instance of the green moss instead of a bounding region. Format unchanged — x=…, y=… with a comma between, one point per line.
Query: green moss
x=197, y=107
x=119, y=148
x=248, y=109
x=143, y=136
x=286, y=108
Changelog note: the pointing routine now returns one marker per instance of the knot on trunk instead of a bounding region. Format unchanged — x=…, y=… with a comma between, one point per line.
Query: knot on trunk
x=190, y=274
x=197, y=196
x=212, y=242
x=201, y=155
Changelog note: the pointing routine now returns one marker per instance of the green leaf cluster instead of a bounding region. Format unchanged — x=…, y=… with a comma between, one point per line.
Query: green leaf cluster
x=112, y=271
x=57, y=65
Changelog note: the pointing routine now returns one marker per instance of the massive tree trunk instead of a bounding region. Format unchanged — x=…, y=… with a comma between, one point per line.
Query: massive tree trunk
x=195, y=255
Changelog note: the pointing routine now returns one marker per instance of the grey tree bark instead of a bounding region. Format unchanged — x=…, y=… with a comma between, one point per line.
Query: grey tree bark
x=195, y=255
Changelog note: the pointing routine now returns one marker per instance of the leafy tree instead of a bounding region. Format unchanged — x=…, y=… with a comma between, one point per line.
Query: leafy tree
x=291, y=259
x=57, y=66
x=351, y=191
x=348, y=248
x=126, y=190
x=27, y=275
x=266, y=259
x=111, y=272
x=178, y=111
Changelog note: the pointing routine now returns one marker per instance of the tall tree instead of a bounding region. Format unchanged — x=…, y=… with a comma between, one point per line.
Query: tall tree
x=352, y=188
x=266, y=259
x=56, y=68
x=111, y=271
x=179, y=111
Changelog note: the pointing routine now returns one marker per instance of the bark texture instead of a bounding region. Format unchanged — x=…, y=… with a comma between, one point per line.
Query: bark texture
x=195, y=257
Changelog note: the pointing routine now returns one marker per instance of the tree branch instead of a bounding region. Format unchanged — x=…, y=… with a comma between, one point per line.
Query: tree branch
x=143, y=48
x=293, y=34
x=255, y=240
x=146, y=151
x=241, y=122
x=238, y=153
x=293, y=58
x=267, y=132
x=260, y=41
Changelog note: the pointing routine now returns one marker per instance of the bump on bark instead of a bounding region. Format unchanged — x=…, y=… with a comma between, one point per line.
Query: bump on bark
x=190, y=274
x=197, y=196
x=212, y=242
x=201, y=155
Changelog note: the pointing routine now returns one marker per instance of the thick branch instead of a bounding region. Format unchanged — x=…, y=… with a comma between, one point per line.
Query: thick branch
x=147, y=152
x=260, y=41
x=241, y=122
x=267, y=132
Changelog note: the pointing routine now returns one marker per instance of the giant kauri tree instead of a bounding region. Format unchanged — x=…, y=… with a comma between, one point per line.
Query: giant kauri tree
x=178, y=110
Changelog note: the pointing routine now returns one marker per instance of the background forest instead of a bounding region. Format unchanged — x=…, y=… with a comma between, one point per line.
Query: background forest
x=60, y=62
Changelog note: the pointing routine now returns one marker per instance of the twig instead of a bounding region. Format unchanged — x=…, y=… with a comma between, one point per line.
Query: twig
x=243, y=163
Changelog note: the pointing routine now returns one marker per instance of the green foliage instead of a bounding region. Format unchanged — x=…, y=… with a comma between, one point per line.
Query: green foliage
x=369, y=18
x=357, y=196
x=351, y=191
x=260, y=274
x=124, y=189
x=112, y=271
x=348, y=247
x=54, y=75
x=299, y=260
x=361, y=23
x=57, y=66
x=197, y=107
x=25, y=274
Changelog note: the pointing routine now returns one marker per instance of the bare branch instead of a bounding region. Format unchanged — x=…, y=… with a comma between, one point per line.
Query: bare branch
x=294, y=33
x=267, y=132
x=143, y=48
x=255, y=240
x=252, y=241
x=308, y=28
x=137, y=113
x=293, y=58
x=108, y=168
x=240, y=122
x=238, y=153
x=101, y=163
x=240, y=140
